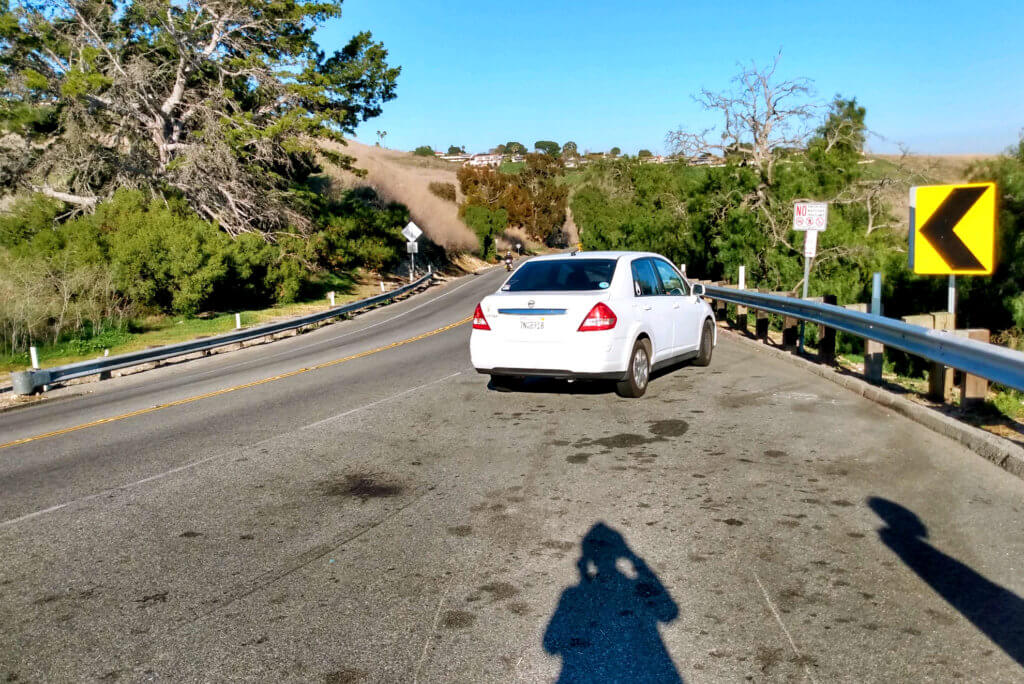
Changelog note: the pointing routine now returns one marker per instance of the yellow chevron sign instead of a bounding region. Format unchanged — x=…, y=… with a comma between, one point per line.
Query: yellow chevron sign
x=953, y=229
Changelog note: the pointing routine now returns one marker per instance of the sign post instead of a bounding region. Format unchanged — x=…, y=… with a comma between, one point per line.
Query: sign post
x=953, y=232
x=412, y=233
x=811, y=218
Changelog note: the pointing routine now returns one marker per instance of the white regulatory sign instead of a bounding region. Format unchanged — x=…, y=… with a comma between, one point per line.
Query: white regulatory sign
x=413, y=247
x=810, y=243
x=810, y=215
x=412, y=232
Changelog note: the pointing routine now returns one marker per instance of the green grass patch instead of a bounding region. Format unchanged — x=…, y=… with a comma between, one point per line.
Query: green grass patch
x=511, y=168
x=1009, y=403
x=159, y=330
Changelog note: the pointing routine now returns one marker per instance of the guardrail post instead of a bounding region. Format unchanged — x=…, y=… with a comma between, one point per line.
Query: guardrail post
x=874, y=352
x=973, y=390
x=940, y=378
x=874, y=360
x=762, y=323
x=105, y=375
x=330, y=295
x=721, y=307
x=741, y=318
x=741, y=311
x=22, y=383
x=238, y=321
x=790, y=331
x=827, y=336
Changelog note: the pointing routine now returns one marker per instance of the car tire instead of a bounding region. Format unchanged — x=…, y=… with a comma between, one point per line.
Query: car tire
x=707, y=344
x=638, y=373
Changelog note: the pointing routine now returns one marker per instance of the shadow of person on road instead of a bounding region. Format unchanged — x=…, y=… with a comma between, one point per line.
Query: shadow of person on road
x=997, y=612
x=606, y=627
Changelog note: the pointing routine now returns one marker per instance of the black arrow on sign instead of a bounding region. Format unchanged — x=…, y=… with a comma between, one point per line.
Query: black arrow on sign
x=938, y=229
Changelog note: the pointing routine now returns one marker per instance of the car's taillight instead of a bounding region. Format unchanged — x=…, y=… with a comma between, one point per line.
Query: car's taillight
x=479, y=322
x=599, y=318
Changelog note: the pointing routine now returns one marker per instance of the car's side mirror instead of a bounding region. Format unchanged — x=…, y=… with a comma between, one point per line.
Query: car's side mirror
x=697, y=289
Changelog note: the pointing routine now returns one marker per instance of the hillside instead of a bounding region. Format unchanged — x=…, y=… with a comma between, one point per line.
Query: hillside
x=404, y=178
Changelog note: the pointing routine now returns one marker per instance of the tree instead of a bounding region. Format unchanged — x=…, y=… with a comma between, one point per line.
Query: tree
x=548, y=147
x=513, y=147
x=569, y=150
x=844, y=129
x=424, y=151
x=643, y=154
x=760, y=115
x=220, y=102
x=615, y=151
x=452, y=149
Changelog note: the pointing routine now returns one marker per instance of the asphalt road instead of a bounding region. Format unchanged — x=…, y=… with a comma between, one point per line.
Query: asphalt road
x=389, y=518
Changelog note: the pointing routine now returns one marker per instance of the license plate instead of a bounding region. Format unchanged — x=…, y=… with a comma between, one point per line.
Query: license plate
x=531, y=324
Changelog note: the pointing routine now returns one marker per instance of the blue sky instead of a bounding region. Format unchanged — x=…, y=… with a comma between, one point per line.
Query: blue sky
x=939, y=77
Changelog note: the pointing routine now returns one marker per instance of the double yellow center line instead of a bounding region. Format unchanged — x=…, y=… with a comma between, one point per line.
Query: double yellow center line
x=282, y=376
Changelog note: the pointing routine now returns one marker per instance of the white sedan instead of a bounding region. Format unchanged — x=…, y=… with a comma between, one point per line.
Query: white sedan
x=595, y=315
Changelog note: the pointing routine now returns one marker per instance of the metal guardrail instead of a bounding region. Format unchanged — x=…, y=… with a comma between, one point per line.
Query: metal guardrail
x=27, y=382
x=990, y=361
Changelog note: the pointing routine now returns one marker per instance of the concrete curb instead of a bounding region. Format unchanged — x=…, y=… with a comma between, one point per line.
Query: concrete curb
x=1002, y=452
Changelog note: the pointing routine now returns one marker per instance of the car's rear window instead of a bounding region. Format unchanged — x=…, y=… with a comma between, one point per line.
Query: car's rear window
x=562, y=275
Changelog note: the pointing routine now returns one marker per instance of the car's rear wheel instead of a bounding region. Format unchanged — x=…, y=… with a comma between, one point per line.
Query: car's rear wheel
x=505, y=383
x=707, y=344
x=639, y=372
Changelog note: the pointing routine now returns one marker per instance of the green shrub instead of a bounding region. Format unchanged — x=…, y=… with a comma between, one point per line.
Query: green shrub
x=362, y=230
x=487, y=224
x=28, y=216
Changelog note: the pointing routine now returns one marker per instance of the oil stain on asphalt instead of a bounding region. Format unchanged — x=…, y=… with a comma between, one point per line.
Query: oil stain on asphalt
x=362, y=487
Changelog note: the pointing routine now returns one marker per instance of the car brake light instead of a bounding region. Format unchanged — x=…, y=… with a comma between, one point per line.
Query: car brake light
x=479, y=322
x=599, y=318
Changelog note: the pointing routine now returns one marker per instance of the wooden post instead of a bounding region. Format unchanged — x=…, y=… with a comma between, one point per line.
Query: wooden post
x=874, y=352
x=790, y=331
x=827, y=336
x=721, y=310
x=874, y=358
x=741, y=311
x=973, y=390
x=790, y=326
x=762, y=323
x=940, y=378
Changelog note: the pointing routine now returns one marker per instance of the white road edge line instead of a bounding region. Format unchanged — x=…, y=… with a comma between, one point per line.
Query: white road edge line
x=194, y=464
x=789, y=637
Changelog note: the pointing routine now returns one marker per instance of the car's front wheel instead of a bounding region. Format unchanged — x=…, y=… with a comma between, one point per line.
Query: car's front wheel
x=639, y=372
x=707, y=344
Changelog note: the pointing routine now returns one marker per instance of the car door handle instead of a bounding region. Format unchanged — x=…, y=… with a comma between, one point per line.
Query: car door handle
x=647, y=307
x=676, y=305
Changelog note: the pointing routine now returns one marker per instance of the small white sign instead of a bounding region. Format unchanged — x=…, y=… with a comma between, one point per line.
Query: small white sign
x=412, y=232
x=412, y=247
x=810, y=215
x=810, y=243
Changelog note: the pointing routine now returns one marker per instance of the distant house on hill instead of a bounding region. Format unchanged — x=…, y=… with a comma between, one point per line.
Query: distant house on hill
x=485, y=160
x=456, y=158
x=706, y=159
